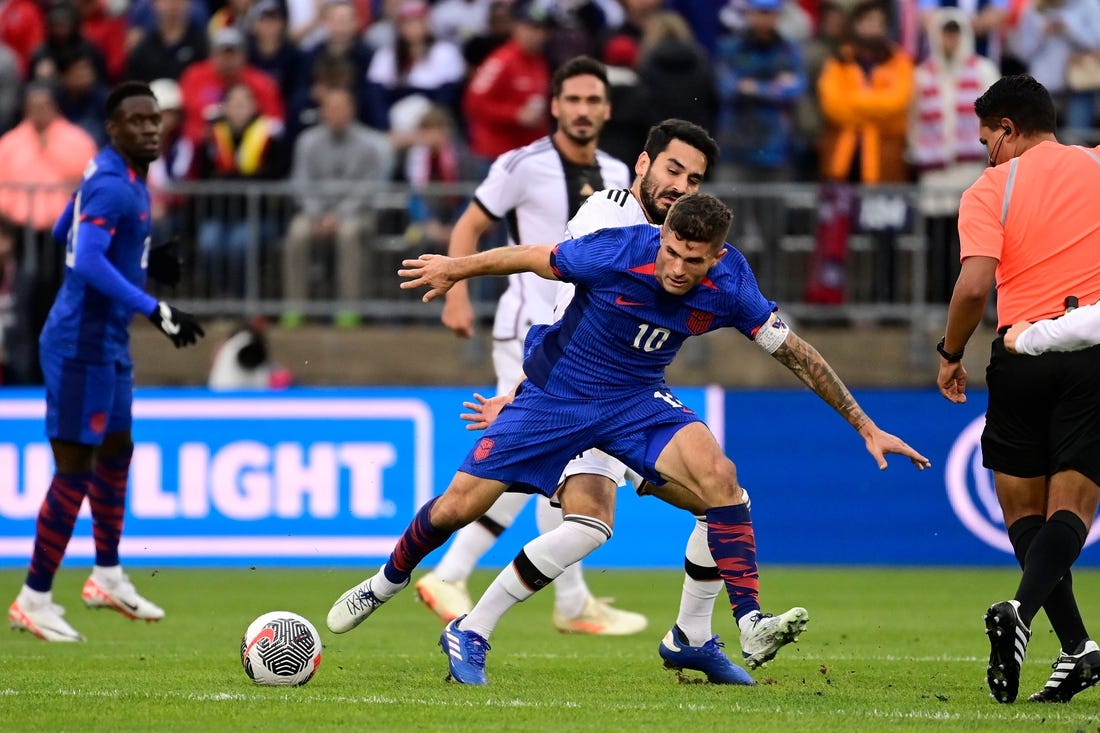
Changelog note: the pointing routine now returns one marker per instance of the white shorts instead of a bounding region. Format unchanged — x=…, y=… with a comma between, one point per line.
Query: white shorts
x=595, y=461
x=508, y=364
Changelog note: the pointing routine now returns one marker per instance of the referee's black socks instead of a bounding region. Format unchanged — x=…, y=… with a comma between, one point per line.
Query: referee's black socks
x=1047, y=550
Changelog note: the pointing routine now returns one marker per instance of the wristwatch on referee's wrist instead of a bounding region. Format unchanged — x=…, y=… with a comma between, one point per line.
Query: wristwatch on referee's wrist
x=949, y=357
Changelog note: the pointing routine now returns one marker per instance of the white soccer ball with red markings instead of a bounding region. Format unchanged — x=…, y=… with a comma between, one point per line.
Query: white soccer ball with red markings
x=281, y=648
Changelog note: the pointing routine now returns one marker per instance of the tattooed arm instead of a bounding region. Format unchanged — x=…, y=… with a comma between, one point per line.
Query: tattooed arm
x=809, y=366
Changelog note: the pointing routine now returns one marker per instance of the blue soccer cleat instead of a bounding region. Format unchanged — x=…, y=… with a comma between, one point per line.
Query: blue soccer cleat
x=465, y=652
x=708, y=659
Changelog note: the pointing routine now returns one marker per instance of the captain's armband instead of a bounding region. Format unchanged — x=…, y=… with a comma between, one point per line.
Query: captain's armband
x=771, y=335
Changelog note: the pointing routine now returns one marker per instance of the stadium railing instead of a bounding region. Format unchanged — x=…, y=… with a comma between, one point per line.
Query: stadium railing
x=879, y=272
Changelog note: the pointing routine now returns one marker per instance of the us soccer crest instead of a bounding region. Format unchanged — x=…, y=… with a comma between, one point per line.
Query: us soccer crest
x=699, y=322
x=484, y=447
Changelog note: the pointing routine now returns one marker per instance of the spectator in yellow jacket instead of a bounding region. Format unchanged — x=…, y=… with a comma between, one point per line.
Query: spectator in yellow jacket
x=865, y=92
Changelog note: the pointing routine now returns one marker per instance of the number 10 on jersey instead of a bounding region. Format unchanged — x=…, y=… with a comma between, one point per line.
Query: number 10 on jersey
x=650, y=338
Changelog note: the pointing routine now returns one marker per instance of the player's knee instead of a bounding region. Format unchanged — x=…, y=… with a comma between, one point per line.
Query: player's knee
x=719, y=484
x=455, y=509
x=589, y=495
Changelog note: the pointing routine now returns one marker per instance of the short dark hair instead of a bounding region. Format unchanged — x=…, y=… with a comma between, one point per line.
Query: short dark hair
x=125, y=90
x=1021, y=99
x=700, y=217
x=579, y=66
x=866, y=8
x=661, y=134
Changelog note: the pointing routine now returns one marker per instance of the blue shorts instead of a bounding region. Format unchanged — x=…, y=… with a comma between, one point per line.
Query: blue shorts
x=86, y=400
x=534, y=438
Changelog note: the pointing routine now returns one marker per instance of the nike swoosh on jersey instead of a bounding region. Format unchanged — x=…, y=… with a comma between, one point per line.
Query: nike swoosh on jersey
x=622, y=301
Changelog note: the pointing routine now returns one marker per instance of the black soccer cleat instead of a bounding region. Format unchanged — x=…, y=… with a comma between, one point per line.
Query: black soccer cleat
x=1008, y=639
x=1072, y=674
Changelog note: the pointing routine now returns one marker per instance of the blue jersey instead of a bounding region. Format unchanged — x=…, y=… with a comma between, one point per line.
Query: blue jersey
x=622, y=328
x=106, y=230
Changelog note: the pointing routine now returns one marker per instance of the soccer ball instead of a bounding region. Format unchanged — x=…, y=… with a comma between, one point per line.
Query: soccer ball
x=281, y=648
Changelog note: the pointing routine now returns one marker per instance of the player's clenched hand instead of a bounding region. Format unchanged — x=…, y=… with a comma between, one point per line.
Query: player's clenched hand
x=484, y=411
x=880, y=443
x=952, y=381
x=428, y=271
x=179, y=326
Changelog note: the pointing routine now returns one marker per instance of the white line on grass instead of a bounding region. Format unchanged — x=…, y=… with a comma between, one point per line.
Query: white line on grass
x=1039, y=713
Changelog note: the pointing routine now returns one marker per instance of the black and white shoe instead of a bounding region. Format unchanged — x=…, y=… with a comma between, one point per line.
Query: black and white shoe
x=1008, y=639
x=1072, y=673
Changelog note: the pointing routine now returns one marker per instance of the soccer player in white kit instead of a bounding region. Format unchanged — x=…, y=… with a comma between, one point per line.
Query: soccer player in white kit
x=536, y=189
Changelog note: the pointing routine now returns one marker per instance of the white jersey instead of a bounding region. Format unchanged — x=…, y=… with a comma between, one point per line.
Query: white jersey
x=1076, y=330
x=536, y=191
x=615, y=207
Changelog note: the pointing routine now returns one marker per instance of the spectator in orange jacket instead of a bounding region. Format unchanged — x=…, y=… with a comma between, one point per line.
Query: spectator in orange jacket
x=47, y=153
x=204, y=84
x=506, y=103
x=43, y=150
x=865, y=92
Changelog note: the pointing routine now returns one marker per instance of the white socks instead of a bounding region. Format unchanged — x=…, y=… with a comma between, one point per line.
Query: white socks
x=109, y=575
x=546, y=557
x=382, y=587
x=698, y=596
x=471, y=542
x=570, y=591
x=35, y=598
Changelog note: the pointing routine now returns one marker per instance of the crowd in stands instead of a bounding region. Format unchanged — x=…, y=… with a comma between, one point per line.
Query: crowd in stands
x=836, y=92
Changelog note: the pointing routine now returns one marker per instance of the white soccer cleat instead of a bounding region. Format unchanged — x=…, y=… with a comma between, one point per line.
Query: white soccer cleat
x=600, y=618
x=769, y=634
x=446, y=599
x=353, y=607
x=43, y=618
x=119, y=594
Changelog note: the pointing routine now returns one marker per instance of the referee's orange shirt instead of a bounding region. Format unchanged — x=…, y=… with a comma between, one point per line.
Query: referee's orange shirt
x=1038, y=215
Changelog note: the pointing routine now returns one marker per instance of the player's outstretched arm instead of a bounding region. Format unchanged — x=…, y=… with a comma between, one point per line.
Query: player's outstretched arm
x=439, y=273
x=808, y=365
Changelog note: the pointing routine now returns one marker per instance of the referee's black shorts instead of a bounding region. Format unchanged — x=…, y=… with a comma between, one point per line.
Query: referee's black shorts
x=1044, y=413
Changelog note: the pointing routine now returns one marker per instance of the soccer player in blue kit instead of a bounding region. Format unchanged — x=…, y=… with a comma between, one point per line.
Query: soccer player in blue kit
x=85, y=353
x=596, y=379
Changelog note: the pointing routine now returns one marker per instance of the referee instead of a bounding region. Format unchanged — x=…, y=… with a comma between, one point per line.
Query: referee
x=1030, y=224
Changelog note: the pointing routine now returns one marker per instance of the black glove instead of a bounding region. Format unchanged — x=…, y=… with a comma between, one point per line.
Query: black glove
x=180, y=326
x=165, y=263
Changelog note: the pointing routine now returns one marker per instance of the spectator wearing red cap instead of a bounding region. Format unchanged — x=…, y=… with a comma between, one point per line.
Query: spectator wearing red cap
x=204, y=84
x=506, y=101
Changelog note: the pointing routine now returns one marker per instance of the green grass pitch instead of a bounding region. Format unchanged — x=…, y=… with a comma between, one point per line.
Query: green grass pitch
x=885, y=650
